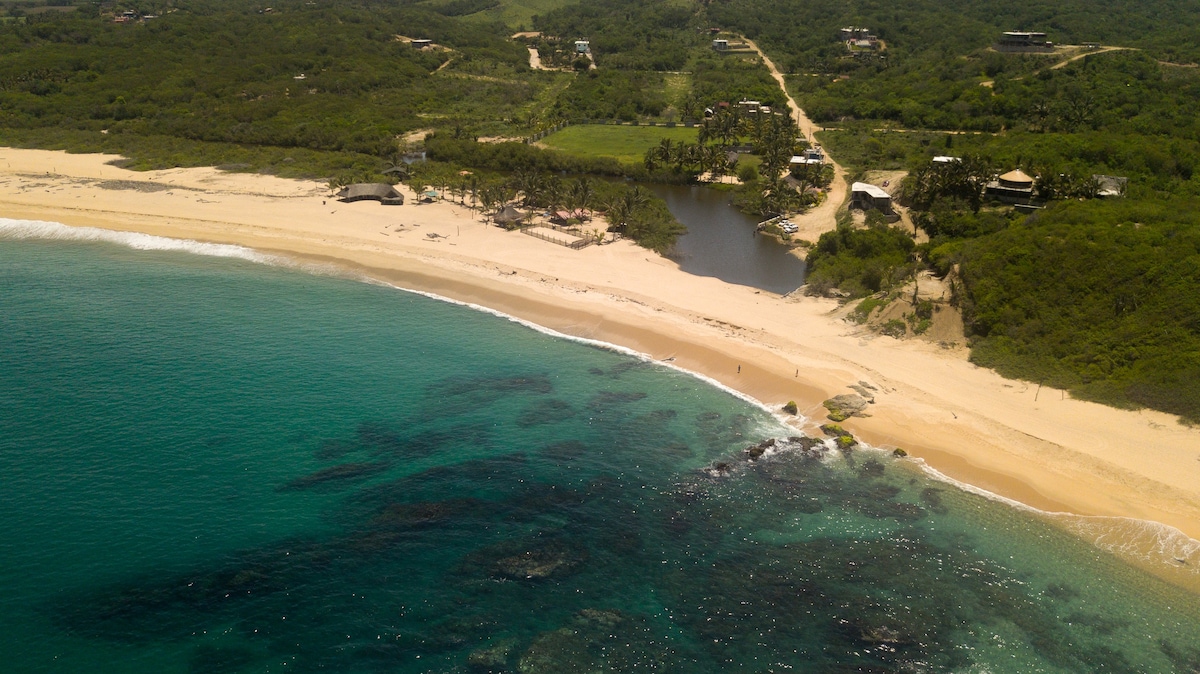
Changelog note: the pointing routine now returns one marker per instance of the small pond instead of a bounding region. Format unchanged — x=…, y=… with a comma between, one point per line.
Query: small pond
x=721, y=242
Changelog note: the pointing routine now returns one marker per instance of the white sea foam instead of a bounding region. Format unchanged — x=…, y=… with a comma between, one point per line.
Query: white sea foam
x=1126, y=537
x=36, y=229
x=608, y=346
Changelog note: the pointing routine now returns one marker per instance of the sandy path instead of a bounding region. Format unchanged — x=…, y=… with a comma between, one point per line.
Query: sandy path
x=1063, y=64
x=823, y=218
x=1042, y=449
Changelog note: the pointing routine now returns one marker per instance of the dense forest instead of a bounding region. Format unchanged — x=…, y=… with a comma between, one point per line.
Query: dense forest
x=1094, y=295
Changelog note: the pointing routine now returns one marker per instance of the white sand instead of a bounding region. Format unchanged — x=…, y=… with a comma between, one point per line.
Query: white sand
x=1055, y=453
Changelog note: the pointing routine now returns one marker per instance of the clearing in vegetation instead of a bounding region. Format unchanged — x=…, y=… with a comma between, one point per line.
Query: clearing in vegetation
x=626, y=144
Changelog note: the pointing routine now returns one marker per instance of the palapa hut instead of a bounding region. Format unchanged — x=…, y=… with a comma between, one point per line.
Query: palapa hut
x=1012, y=187
x=381, y=192
x=508, y=217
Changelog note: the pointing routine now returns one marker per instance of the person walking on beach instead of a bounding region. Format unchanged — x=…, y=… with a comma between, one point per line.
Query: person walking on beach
x=739, y=369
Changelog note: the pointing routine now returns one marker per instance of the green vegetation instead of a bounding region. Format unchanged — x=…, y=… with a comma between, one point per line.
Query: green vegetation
x=1087, y=294
x=921, y=318
x=894, y=328
x=862, y=311
x=516, y=14
x=1096, y=297
x=860, y=261
x=626, y=144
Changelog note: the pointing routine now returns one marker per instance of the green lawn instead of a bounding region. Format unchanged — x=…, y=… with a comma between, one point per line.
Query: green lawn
x=518, y=14
x=627, y=144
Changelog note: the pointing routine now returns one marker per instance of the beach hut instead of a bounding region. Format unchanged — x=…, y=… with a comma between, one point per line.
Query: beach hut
x=381, y=192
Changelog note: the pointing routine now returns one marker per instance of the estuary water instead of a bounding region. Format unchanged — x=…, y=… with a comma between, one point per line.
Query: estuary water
x=721, y=242
x=213, y=464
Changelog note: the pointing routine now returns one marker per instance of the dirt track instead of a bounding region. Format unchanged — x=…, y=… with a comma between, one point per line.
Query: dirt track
x=823, y=218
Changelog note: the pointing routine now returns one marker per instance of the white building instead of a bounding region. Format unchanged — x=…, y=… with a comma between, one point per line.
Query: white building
x=866, y=196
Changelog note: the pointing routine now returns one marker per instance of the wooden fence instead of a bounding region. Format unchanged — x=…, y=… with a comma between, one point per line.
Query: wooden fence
x=576, y=244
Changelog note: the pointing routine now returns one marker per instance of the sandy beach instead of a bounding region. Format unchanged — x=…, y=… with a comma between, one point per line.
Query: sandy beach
x=1052, y=453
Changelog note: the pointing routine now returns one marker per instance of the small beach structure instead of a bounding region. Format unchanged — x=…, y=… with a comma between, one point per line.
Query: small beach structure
x=508, y=217
x=561, y=216
x=867, y=196
x=381, y=192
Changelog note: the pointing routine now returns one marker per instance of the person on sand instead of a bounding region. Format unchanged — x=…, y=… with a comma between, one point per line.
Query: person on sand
x=739, y=369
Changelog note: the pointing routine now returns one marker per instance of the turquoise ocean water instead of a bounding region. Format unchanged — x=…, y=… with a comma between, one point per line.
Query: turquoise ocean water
x=213, y=464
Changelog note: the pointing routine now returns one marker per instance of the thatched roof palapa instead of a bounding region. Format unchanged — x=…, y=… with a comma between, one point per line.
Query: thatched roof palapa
x=509, y=215
x=1018, y=179
x=381, y=192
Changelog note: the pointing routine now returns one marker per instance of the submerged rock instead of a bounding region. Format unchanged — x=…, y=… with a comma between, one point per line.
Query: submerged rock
x=604, y=619
x=554, y=560
x=871, y=468
x=755, y=451
x=335, y=475
x=565, y=451
x=334, y=449
x=563, y=650
x=545, y=412
x=598, y=640
x=210, y=659
x=605, y=399
x=493, y=657
x=538, y=383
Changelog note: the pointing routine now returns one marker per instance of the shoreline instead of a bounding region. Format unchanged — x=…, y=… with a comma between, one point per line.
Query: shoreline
x=1055, y=456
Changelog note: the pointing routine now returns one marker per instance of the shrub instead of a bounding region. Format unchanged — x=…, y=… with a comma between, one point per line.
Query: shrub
x=862, y=312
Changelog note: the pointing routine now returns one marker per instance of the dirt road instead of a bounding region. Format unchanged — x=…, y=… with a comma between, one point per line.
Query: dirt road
x=1101, y=50
x=823, y=218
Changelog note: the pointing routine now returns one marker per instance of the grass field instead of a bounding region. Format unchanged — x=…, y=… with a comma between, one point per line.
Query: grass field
x=518, y=14
x=627, y=144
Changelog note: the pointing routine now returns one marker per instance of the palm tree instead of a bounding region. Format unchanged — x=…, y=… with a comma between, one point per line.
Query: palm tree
x=689, y=107
x=473, y=187
x=622, y=209
x=651, y=159
x=531, y=185
x=582, y=193
x=396, y=168
x=666, y=150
